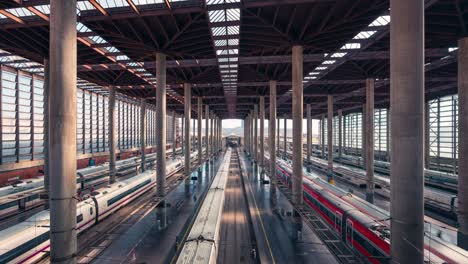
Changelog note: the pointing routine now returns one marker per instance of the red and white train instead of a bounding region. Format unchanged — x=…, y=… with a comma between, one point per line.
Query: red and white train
x=361, y=226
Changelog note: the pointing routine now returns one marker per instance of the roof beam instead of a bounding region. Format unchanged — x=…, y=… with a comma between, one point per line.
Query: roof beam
x=12, y=17
x=98, y=7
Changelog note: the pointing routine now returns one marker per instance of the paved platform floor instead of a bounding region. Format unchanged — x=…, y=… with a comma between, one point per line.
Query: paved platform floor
x=153, y=238
x=236, y=237
x=281, y=237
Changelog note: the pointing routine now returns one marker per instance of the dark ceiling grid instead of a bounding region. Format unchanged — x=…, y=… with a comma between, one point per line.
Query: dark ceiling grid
x=267, y=29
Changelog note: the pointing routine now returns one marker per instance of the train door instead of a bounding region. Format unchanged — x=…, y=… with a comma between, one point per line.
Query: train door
x=338, y=220
x=22, y=203
x=349, y=232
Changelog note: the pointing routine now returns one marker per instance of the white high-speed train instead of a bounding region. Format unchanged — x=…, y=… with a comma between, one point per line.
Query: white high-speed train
x=25, y=195
x=28, y=241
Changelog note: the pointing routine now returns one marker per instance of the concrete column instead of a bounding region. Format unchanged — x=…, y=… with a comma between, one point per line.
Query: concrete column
x=199, y=128
x=255, y=133
x=182, y=134
x=174, y=135
x=46, y=127
x=322, y=135
x=330, y=138
x=297, y=111
x=463, y=142
x=246, y=133
x=278, y=137
x=369, y=140
x=112, y=134
x=340, y=134
x=194, y=127
x=143, y=133
x=363, y=135
x=220, y=134
x=427, y=128
x=207, y=126
x=251, y=132
x=216, y=137
x=285, y=136
x=272, y=132
x=407, y=130
x=211, y=133
x=161, y=124
x=62, y=131
x=187, y=112
x=262, y=133
x=344, y=135
x=309, y=133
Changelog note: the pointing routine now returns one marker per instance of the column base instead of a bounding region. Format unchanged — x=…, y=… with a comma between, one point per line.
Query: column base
x=330, y=177
x=462, y=240
x=370, y=197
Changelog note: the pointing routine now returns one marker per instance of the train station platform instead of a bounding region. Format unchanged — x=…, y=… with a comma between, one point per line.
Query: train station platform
x=154, y=237
x=281, y=237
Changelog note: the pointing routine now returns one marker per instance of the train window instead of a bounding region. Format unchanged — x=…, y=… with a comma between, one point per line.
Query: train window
x=369, y=247
x=8, y=205
x=91, y=211
x=79, y=218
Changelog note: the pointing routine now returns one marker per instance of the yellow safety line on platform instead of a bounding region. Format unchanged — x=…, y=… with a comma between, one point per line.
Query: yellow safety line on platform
x=261, y=223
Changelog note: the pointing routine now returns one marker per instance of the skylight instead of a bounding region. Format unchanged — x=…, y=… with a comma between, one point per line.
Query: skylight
x=20, y=12
x=364, y=34
x=349, y=46
x=380, y=21
x=338, y=54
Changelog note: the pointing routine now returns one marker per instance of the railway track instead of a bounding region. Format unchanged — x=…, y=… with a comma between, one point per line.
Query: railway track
x=237, y=238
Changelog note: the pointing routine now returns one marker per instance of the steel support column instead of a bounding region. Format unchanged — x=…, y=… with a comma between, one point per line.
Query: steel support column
x=161, y=124
x=463, y=142
x=407, y=130
x=62, y=131
x=369, y=127
x=297, y=111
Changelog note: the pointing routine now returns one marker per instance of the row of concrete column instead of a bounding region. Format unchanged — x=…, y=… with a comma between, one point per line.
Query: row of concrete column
x=60, y=92
x=407, y=132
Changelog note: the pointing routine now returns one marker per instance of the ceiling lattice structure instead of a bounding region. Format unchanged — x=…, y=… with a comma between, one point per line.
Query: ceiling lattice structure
x=230, y=49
